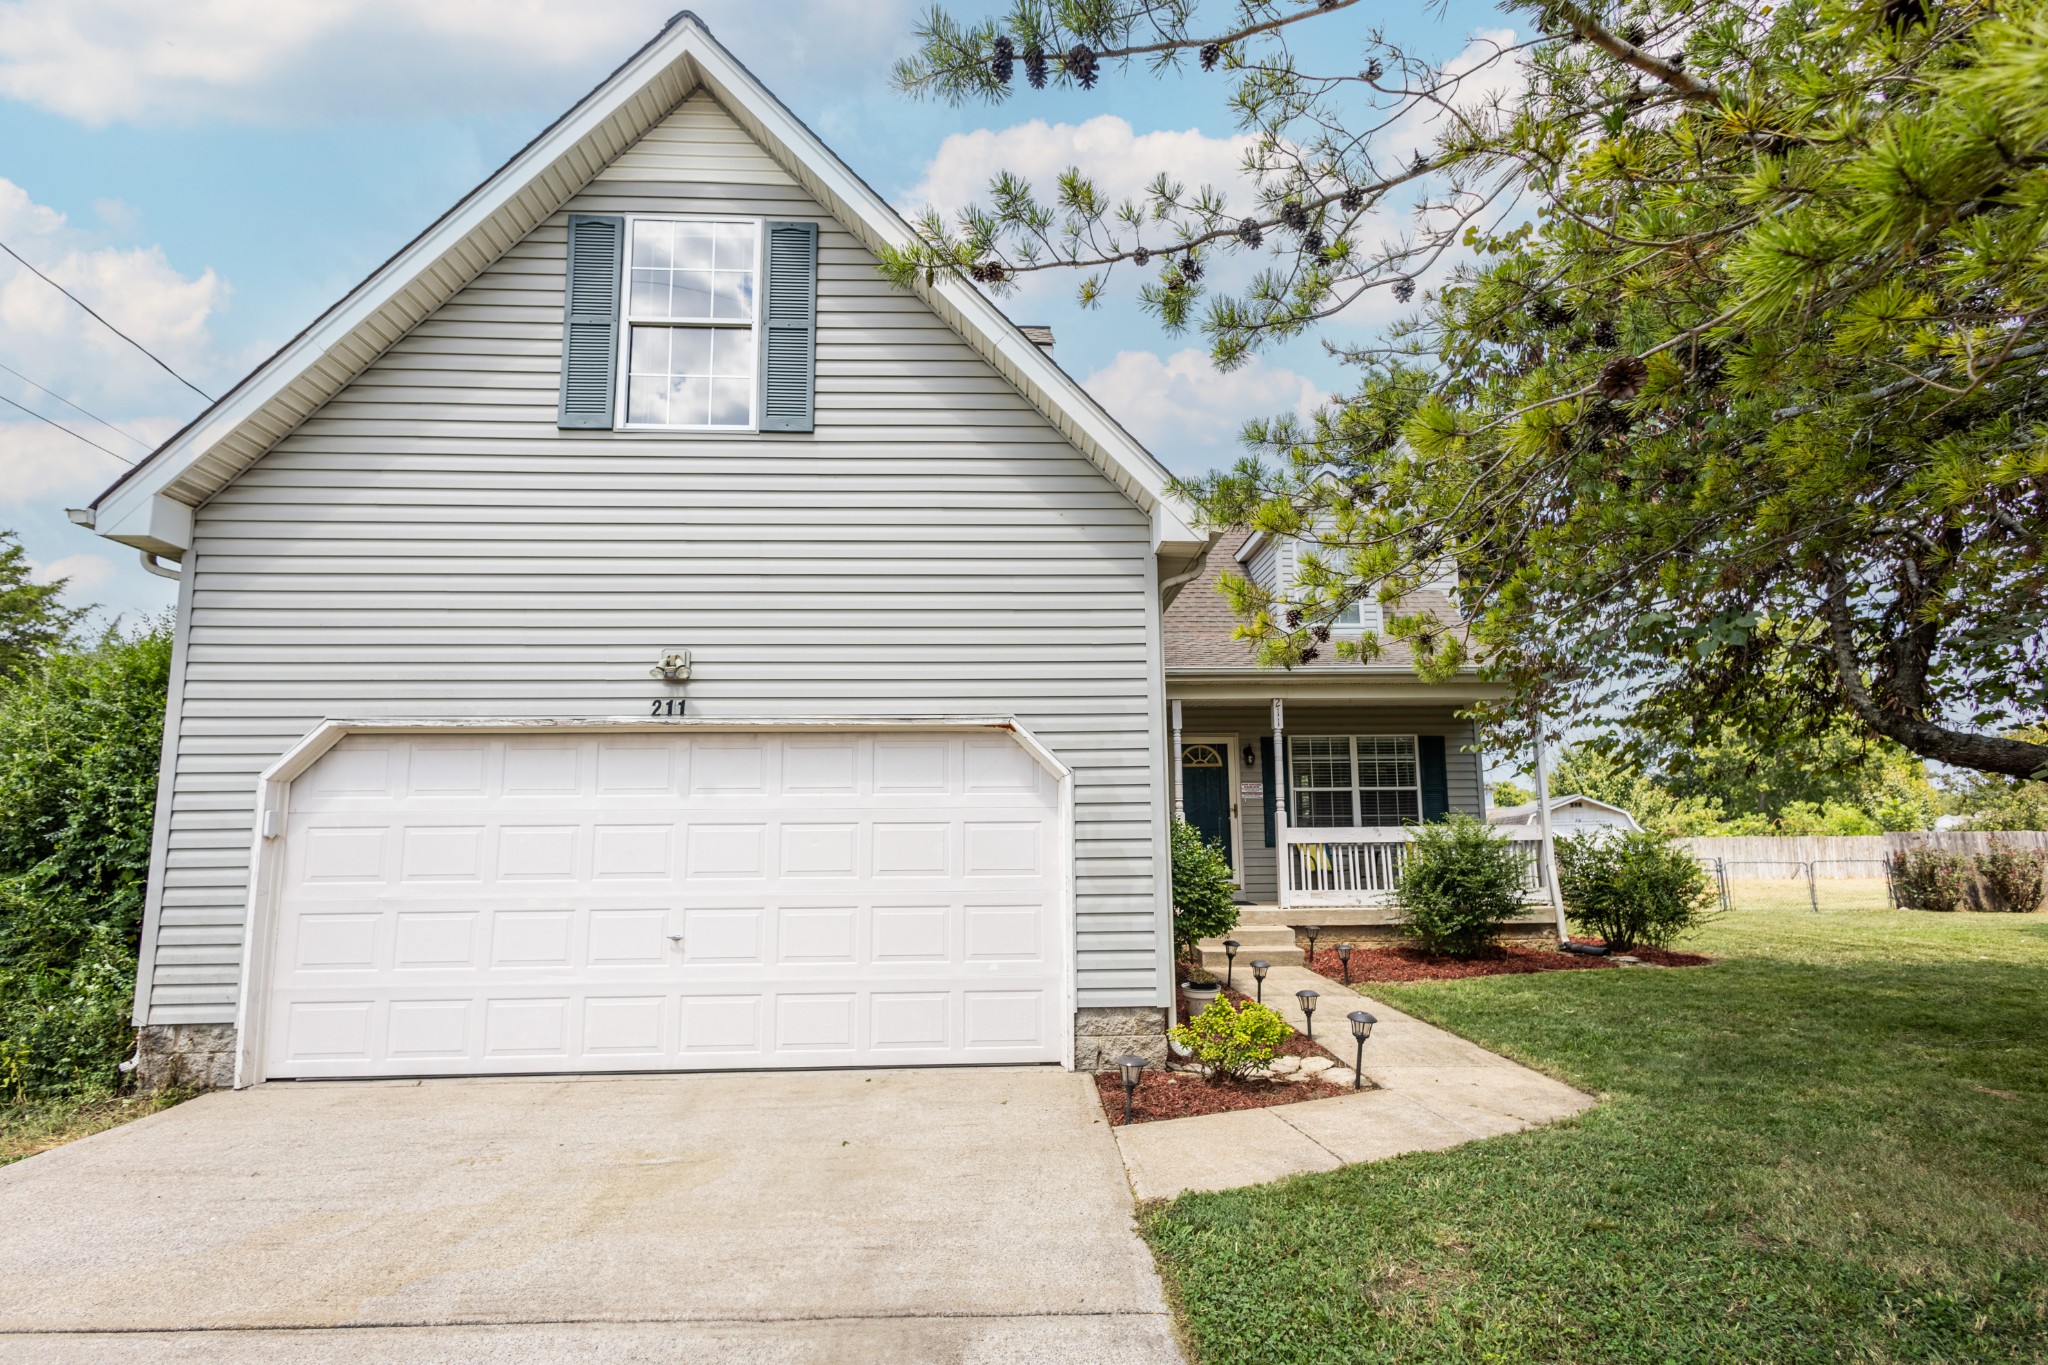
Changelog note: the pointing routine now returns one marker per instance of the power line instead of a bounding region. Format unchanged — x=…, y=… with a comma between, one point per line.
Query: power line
x=74, y=407
x=104, y=323
x=67, y=430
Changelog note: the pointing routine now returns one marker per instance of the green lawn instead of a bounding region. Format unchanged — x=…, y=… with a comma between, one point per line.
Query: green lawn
x=1830, y=1146
x=31, y=1126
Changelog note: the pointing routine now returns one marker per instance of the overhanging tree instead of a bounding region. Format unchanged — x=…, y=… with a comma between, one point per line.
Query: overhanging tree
x=1732, y=409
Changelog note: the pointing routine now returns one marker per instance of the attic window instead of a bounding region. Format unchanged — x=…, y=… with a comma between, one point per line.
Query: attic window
x=691, y=312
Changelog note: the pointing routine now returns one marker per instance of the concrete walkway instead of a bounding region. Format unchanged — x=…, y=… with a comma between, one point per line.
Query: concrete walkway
x=965, y=1214
x=1436, y=1090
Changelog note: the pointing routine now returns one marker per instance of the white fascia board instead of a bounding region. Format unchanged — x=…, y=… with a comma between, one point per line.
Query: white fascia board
x=1251, y=546
x=970, y=312
x=686, y=44
x=503, y=195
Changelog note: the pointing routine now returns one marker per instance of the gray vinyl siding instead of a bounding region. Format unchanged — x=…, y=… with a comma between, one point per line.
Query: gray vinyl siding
x=1253, y=722
x=429, y=544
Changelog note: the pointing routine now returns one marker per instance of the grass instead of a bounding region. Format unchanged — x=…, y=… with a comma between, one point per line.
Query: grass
x=31, y=1126
x=1830, y=1146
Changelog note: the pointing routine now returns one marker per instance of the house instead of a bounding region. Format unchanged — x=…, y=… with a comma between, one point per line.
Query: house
x=1569, y=815
x=625, y=633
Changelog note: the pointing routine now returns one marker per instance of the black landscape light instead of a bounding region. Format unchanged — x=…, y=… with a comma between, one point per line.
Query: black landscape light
x=1259, y=975
x=1361, y=1029
x=1134, y=1067
x=1308, y=1009
x=1344, y=956
x=1229, y=960
x=1314, y=931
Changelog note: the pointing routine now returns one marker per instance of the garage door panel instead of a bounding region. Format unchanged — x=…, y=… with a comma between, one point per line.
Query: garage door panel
x=452, y=907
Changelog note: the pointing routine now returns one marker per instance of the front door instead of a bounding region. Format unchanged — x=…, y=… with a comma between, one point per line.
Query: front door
x=1205, y=793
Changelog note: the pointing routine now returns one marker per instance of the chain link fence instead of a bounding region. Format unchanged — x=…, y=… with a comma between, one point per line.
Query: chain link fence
x=1817, y=886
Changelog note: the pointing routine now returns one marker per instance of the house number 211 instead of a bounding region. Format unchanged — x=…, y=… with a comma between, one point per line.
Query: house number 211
x=665, y=706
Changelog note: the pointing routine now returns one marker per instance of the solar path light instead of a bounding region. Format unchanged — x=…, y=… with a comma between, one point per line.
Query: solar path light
x=1259, y=968
x=1361, y=1029
x=1344, y=956
x=1229, y=960
x=1133, y=1067
x=1313, y=931
x=1308, y=1009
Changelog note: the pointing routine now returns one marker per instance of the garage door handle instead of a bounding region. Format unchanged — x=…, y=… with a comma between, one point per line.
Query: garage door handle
x=675, y=938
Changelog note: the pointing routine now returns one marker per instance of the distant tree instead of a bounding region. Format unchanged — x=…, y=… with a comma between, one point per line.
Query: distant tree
x=1987, y=801
x=33, y=617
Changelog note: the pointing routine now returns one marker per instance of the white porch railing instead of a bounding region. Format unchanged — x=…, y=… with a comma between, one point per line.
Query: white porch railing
x=1361, y=865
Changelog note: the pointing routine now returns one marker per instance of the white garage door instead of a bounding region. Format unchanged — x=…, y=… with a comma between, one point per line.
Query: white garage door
x=452, y=905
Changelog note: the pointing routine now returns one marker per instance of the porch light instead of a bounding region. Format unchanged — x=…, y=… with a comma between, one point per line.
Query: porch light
x=1314, y=931
x=1229, y=960
x=1344, y=956
x=1308, y=1009
x=1133, y=1067
x=1259, y=975
x=1361, y=1029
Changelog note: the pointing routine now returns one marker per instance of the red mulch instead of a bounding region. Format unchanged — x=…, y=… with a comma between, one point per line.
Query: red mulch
x=1184, y=1094
x=1412, y=964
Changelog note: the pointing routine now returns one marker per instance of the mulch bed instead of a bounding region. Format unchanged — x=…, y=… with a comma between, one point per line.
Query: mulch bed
x=1184, y=1094
x=1412, y=964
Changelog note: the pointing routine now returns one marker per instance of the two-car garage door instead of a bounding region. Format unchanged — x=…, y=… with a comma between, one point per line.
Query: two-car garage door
x=455, y=904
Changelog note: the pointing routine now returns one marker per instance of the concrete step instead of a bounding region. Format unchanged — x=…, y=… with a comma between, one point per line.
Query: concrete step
x=1269, y=943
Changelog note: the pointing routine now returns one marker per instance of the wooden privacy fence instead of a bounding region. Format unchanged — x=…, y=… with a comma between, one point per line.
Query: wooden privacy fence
x=1845, y=856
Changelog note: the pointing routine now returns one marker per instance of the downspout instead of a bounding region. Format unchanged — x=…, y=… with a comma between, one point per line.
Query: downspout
x=156, y=566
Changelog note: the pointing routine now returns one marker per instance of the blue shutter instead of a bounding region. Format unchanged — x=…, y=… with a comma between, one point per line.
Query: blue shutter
x=789, y=328
x=590, y=323
x=1436, y=779
x=1271, y=786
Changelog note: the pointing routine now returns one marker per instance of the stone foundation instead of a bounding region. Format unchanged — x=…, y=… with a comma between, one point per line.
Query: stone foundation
x=1103, y=1035
x=185, y=1057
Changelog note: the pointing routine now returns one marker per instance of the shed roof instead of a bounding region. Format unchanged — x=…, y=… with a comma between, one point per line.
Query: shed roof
x=150, y=506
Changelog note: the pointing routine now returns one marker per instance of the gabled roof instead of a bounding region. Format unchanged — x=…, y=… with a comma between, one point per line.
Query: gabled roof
x=150, y=506
x=1514, y=815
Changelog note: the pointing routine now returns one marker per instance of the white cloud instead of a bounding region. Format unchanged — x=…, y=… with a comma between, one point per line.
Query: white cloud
x=1481, y=72
x=1120, y=160
x=86, y=573
x=296, y=61
x=1186, y=411
x=38, y=462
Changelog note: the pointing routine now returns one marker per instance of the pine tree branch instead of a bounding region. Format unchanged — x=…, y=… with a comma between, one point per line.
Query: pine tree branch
x=1680, y=80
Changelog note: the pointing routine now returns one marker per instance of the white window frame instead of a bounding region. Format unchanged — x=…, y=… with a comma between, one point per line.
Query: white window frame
x=623, y=361
x=1295, y=768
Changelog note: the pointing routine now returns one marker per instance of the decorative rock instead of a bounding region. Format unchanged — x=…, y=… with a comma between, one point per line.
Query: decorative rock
x=1285, y=1066
x=1340, y=1075
x=1311, y=1065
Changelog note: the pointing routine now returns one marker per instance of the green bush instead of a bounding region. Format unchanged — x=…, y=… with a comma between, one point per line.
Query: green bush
x=80, y=740
x=1231, y=1040
x=2013, y=878
x=1460, y=885
x=1204, y=891
x=1632, y=889
x=1930, y=879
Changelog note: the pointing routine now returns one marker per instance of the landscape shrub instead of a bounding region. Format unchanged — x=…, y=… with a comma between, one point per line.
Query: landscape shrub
x=80, y=740
x=1460, y=885
x=2013, y=878
x=1632, y=889
x=1930, y=879
x=1231, y=1040
x=1204, y=890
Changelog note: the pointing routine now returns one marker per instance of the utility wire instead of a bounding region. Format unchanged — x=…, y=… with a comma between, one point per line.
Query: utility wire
x=74, y=407
x=67, y=430
x=104, y=323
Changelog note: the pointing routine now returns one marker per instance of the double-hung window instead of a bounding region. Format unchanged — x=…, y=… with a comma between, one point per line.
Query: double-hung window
x=692, y=310
x=1351, y=780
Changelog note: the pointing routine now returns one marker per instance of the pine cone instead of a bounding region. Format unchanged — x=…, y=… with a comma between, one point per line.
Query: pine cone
x=1248, y=232
x=1352, y=200
x=1312, y=241
x=1404, y=289
x=1004, y=62
x=1604, y=334
x=1623, y=378
x=1294, y=215
x=1034, y=66
x=1212, y=53
x=1321, y=632
x=1373, y=70
x=1081, y=65
x=1294, y=618
x=1634, y=36
x=1191, y=267
x=1419, y=164
x=1141, y=257
x=1311, y=654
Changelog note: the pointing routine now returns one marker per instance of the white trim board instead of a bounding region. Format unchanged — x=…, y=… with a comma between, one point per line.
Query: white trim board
x=273, y=801
x=150, y=506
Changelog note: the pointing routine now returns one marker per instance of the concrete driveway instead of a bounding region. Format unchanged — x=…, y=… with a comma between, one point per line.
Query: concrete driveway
x=971, y=1215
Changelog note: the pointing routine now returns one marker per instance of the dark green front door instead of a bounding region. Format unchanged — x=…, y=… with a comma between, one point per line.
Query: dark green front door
x=1205, y=794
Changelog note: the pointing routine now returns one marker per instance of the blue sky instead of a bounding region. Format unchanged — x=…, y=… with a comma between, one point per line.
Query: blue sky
x=211, y=176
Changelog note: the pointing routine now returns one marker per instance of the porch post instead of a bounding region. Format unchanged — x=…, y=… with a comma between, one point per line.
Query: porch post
x=1548, y=852
x=1180, y=811
x=1284, y=862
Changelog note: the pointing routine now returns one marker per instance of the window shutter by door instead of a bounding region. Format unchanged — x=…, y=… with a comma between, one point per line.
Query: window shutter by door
x=789, y=328
x=1436, y=778
x=590, y=324
x=1271, y=785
